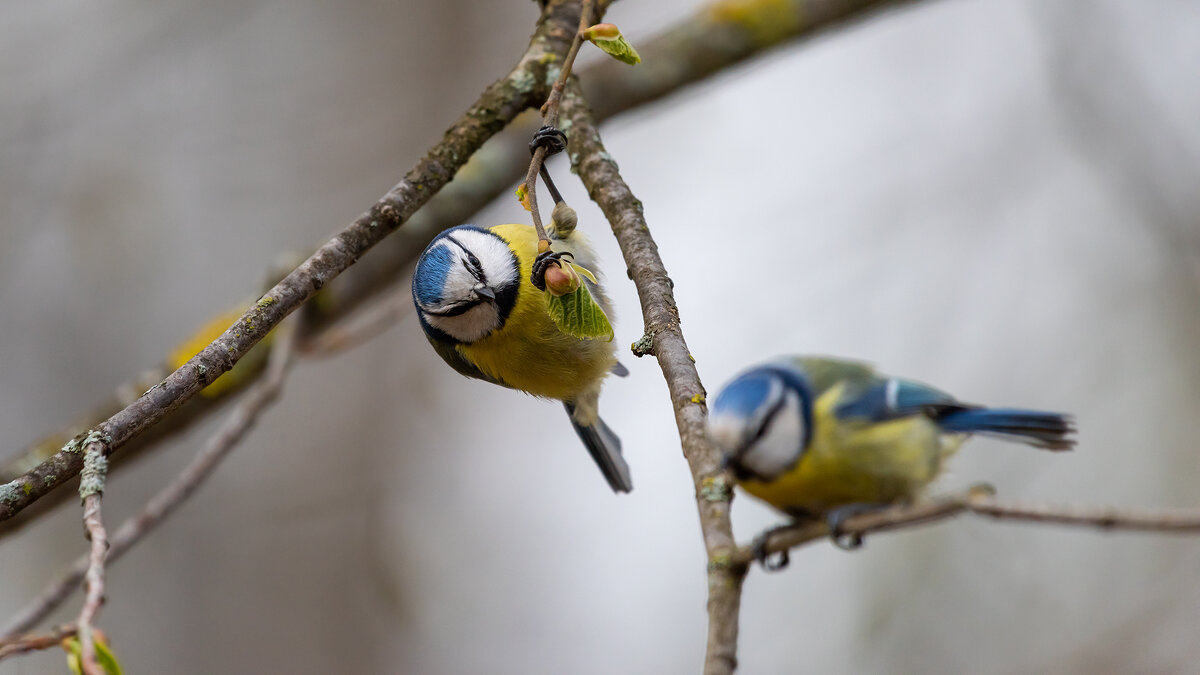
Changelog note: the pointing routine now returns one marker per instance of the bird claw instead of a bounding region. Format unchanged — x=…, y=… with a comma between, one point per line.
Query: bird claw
x=550, y=138
x=541, y=262
x=835, y=520
x=763, y=556
x=770, y=564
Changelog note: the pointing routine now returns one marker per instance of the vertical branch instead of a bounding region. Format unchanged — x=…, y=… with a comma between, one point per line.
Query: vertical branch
x=91, y=489
x=664, y=339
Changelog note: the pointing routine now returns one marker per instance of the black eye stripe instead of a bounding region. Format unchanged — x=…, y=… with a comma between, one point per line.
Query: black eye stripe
x=456, y=309
x=769, y=418
x=472, y=262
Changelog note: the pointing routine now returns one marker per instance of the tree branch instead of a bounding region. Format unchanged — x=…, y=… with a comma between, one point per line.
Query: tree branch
x=91, y=489
x=494, y=109
x=719, y=35
x=979, y=500
x=706, y=43
x=23, y=644
x=605, y=186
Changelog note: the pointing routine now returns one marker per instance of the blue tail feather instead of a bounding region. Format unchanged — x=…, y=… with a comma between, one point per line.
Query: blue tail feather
x=1041, y=429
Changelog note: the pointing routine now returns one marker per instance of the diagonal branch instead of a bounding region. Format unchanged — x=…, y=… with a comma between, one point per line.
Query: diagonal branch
x=714, y=39
x=494, y=109
x=719, y=35
x=605, y=186
x=24, y=644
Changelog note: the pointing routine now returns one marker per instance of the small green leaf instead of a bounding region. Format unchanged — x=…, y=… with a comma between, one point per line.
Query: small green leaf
x=608, y=37
x=578, y=314
x=104, y=656
x=523, y=197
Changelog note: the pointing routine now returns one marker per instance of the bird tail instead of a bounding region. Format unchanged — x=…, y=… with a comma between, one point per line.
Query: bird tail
x=605, y=448
x=1040, y=429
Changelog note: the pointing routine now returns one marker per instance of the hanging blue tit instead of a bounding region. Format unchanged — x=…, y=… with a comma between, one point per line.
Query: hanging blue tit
x=486, y=319
x=824, y=437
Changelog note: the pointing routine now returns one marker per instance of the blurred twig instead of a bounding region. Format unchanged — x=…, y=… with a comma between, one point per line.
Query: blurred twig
x=980, y=501
x=598, y=171
x=23, y=644
x=374, y=318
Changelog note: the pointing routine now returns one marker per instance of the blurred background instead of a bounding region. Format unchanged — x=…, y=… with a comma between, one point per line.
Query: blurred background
x=995, y=196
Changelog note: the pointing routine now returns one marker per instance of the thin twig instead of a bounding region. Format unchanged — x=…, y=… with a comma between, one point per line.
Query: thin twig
x=605, y=186
x=232, y=431
x=495, y=108
x=550, y=111
x=23, y=644
x=981, y=502
x=91, y=489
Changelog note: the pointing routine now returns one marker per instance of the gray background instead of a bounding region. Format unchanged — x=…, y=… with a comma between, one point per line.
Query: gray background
x=996, y=196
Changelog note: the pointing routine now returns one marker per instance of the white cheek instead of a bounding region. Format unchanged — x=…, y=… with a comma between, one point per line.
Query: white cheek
x=474, y=324
x=780, y=446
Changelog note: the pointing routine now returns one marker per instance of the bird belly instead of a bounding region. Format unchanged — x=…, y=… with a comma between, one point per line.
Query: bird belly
x=854, y=462
x=554, y=365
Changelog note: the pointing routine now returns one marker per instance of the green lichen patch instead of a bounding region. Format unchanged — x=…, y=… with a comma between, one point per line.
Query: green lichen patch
x=716, y=489
x=643, y=346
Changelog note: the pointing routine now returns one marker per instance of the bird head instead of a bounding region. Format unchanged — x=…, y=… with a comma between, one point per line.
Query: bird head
x=760, y=422
x=465, y=283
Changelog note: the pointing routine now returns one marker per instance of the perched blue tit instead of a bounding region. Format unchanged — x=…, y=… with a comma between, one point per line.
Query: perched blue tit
x=824, y=437
x=486, y=319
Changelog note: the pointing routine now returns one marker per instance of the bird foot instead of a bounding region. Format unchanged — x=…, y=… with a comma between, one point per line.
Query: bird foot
x=835, y=520
x=759, y=548
x=542, y=262
x=550, y=138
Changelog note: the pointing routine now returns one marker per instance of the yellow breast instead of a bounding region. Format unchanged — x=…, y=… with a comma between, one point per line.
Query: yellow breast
x=529, y=352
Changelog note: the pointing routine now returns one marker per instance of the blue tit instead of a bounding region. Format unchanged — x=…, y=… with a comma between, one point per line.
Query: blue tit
x=818, y=436
x=486, y=319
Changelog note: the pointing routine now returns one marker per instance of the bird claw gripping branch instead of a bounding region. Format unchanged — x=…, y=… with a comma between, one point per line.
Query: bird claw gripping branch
x=554, y=141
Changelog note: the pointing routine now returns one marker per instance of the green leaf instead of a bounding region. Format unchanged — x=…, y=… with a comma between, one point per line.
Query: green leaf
x=578, y=314
x=104, y=657
x=608, y=37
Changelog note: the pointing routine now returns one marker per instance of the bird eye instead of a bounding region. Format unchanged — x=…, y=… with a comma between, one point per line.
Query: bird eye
x=473, y=266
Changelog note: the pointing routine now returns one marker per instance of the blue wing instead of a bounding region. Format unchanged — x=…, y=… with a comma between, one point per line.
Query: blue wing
x=895, y=398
